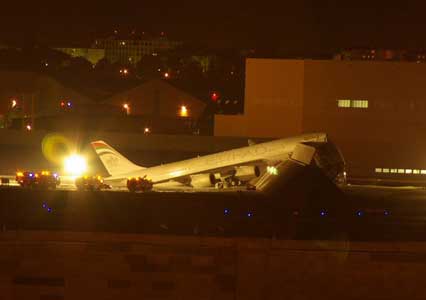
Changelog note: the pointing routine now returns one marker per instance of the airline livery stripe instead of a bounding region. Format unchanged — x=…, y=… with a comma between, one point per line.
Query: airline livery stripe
x=99, y=145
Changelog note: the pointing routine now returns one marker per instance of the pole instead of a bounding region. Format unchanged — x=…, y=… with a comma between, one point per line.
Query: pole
x=32, y=111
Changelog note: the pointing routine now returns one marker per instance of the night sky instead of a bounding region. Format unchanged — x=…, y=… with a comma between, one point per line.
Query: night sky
x=308, y=27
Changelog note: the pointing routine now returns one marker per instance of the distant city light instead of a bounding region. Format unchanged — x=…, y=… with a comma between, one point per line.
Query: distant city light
x=126, y=107
x=183, y=112
x=124, y=71
x=69, y=104
x=214, y=96
x=166, y=75
x=29, y=127
x=14, y=103
x=147, y=130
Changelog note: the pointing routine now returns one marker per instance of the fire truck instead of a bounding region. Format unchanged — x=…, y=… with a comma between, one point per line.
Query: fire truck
x=139, y=184
x=91, y=183
x=43, y=180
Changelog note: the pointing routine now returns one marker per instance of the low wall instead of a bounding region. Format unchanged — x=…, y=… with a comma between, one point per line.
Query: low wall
x=67, y=265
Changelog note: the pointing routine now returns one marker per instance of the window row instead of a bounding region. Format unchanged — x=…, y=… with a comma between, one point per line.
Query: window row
x=400, y=171
x=347, y=103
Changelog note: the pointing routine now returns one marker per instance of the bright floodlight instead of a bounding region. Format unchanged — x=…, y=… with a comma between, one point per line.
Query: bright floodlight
x=75, y=165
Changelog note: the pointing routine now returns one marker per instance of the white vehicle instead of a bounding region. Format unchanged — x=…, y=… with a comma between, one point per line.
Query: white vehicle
x=233, y=167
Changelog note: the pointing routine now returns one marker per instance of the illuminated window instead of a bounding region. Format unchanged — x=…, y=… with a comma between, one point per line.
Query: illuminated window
x=401, y=171
x=394, y=171
x=359, y=104
x=408, y=171
x=378, y=170
x=344, y=103
x=385, y=170
x=423, y=172
x=416, y=171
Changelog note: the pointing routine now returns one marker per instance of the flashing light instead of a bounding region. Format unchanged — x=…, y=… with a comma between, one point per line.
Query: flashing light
x=31, y=175
x=75, y=165
x=249, y=214
x=323, y=213
x=19, y=174
x=226, y=211
x=386, y=213
x=45, y=173
x=359, y=213
x=44, y=205
x=183, y=112
x=49, y=210
x=214, y=96
x=55, y=175
x=272, y=170
x=69, y=104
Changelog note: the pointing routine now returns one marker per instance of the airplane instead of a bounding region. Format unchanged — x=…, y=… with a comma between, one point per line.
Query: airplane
x=223, y=169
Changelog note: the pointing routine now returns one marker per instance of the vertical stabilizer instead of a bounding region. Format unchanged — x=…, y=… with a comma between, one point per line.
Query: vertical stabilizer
x=114, y=162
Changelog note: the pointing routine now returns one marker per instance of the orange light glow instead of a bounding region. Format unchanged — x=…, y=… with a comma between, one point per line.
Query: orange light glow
x=126, y=107
x=183, y=112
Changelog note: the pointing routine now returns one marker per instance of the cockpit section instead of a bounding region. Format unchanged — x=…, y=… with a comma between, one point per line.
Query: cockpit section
x=329, y=159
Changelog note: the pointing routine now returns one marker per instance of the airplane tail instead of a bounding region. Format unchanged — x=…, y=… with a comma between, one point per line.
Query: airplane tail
x=114, y=162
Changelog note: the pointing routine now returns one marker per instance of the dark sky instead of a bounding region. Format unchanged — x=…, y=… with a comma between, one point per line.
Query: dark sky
x=301, y=26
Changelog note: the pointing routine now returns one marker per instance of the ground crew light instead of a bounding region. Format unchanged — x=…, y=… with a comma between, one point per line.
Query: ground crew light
x=75, y=165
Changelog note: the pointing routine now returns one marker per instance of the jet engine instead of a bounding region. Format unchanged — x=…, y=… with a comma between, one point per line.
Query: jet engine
x=247, y=173
x=203, y=180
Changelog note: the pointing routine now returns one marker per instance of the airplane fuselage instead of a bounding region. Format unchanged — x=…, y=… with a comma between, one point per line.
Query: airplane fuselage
x=277, y=150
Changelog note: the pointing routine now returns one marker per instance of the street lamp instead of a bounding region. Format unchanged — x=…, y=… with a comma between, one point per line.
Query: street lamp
x=126, y=107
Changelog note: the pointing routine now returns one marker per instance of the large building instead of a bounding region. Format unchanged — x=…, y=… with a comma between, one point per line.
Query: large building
x=131, y=51
x=38, y=94
x=92, y=55
x=162, y=106
x=374, y=111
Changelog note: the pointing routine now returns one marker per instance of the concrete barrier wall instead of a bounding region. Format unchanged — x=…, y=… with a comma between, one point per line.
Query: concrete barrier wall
x=67, y=265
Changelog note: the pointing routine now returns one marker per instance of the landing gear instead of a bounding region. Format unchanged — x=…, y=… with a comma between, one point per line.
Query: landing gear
x=219, y=185
x=229, y=182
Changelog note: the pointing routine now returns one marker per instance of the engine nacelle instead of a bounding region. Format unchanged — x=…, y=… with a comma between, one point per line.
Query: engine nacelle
x=203, y=180
x=247, y=173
